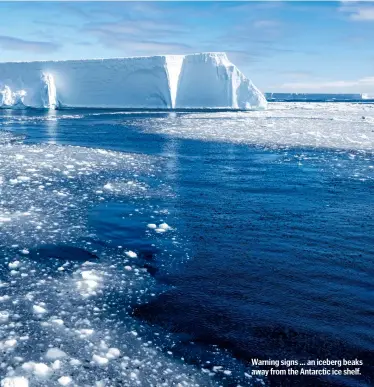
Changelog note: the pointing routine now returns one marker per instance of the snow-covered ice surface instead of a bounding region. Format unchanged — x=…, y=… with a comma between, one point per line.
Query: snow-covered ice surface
x=326, y=125
x=205, y=80
x=65, y=321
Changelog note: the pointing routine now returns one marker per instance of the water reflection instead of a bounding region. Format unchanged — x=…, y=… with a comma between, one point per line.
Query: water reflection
x=51, y=123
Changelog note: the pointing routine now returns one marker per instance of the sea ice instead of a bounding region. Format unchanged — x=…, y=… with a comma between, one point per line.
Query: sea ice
x=102, y=361
x=164, y=226
x=39, y=309
x=4, y=316
x=65, y=380
x=81, y=311
x=113, y=353
x=42, y=370
x=316, y=125
x=131, y=254
x=55, y=353
x=17, y=381
x=14, y=265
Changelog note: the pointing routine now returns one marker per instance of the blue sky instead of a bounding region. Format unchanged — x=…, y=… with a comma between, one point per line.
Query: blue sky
x=282, y=46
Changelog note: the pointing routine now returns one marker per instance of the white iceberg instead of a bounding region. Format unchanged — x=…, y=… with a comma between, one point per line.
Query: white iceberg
x=197, y=81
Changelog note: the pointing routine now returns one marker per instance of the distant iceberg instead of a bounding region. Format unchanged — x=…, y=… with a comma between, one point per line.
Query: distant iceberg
x=312, y=97
x=367, y=96
x=197, y=81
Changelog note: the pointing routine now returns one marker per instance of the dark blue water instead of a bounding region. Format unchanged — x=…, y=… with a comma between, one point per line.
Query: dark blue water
x=275, y=247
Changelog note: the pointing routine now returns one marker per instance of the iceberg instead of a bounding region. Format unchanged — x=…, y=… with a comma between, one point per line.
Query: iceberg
x=196, y=81
x=366, y=96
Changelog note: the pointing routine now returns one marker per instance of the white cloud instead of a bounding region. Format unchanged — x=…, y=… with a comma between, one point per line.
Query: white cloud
x=11, y=43
x=358, y=12
x=266, y=24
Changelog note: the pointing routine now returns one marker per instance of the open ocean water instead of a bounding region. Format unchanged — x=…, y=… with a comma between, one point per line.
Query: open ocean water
x=171, y=249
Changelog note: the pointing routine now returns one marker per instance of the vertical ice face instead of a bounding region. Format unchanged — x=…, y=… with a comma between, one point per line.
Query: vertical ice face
x=11, y=99
x=173, y=67
x=204, y=82
x=48, y=92
x=245, y=95
x=7, y=99
x=210, y=80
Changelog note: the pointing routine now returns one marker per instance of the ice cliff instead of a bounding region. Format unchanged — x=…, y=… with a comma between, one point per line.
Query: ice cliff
x=198, y=81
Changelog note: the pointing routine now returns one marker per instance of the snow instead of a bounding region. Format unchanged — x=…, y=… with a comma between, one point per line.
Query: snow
x=205, y=80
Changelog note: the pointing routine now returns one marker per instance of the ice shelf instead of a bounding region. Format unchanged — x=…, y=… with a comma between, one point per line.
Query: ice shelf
x=197, y=81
